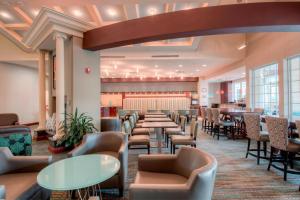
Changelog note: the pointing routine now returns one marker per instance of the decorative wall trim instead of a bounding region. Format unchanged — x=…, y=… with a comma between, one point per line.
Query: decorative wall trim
x=162, y=79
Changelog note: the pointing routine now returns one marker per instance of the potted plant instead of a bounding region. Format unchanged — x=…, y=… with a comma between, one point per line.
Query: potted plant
x=75, y=126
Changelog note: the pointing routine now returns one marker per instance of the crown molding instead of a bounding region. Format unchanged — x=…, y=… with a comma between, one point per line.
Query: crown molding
x=50, y=21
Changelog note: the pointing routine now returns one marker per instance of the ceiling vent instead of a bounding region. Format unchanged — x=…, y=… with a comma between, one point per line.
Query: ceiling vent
x=165, y=56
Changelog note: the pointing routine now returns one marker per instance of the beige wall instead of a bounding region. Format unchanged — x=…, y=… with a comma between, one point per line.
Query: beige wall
x=267, y=48
x=86, y=87
x=149, y=87
x=111, y=100
x=19, y=91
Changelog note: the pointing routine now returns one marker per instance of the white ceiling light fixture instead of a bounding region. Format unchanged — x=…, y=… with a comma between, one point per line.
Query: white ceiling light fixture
x=77, y=13
x=112, y=12
x=152, y=11
x=115, y=66
x=204, y=65
x=5, y=15
x=243, y=46
x=156, y=66
x=179, y=65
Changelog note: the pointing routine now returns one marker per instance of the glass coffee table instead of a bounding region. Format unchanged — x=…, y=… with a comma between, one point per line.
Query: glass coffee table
x=81, y=174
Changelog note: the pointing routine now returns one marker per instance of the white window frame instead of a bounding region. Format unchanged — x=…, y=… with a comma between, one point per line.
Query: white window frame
x=252, y=92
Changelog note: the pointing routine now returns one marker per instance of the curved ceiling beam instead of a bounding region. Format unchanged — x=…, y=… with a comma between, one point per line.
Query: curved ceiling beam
x=237, y=18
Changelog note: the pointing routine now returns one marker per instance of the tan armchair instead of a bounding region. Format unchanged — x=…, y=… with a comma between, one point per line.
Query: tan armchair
x=188, y=175
x=18, y=176
x=111, y=143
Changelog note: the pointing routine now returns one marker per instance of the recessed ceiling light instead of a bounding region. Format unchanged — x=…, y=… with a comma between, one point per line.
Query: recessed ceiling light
x=198, y=70
x=152, y=11
x=179, y=65
x=77, y=13
x=5, y=14
x=112, y=12
x=242, y=47
x=205, y=4
x=115, y=66
x=244, y=73
x=204, y=65
x=156, y=66
x=35, y=12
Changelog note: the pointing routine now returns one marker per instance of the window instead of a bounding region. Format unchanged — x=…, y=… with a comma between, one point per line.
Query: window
x=294, y=87
x=239, y=90
x=265, y=94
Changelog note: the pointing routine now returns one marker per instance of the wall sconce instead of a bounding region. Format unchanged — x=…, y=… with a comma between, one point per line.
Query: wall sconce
x=87, y=70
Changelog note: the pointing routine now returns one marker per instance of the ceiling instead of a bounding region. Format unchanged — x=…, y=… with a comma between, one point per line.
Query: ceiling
x=182, y=57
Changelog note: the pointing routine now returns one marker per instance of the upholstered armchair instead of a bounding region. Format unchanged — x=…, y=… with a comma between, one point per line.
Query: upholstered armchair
x=189, y=175
x=9, y=119
x=111, y=143
x=18, y=176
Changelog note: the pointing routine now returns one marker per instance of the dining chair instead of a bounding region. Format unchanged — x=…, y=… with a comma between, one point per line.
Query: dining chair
x=278, y=134
x=137, y=130
x=254, y=132
x=187, y=139
x=220, y=125
x=143, y=141
x=175, y=131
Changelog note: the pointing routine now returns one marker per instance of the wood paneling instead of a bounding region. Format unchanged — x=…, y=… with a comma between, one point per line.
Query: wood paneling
x=236, y=18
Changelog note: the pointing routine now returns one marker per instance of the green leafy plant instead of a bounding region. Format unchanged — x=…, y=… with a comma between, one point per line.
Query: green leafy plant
x=75, y=126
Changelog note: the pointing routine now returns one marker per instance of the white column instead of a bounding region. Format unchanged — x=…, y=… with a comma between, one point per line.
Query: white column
x=42, y=91
x=60, y=82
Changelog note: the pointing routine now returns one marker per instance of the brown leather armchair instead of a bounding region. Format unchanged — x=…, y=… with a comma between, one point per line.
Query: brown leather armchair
x=18, y=176
x=9, y=119
x=111, y=143
x=188, y=175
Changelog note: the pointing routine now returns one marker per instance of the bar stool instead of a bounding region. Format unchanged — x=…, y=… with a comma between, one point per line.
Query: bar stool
x=278, y=134
x=210, y=122
x=220, y=125
x=254, y=132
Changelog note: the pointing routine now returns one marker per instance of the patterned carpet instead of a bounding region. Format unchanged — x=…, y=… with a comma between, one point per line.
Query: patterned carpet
x=237, y=177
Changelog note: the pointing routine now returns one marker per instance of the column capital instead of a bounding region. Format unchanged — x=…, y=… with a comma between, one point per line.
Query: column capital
x=57, y=35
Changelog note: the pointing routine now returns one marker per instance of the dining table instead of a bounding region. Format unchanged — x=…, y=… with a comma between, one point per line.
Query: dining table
x=155, y=116
x=158, y=119
x=154, y=113
x=159, y=130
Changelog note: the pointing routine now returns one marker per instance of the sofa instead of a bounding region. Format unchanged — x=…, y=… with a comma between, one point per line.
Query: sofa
x=14, y=136
x=111, y=143
x=188, y=175
x=18, y=176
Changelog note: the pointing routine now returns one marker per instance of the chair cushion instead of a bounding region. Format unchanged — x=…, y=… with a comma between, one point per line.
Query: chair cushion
x=138, y=125
x=173, y=131
x=264, y=136
x=18, y=184
x=182, y=140
x=139, y=140
x=293, y=146
x=226, y=123
x=141, y=121
x=143, y=177
x=140, y=131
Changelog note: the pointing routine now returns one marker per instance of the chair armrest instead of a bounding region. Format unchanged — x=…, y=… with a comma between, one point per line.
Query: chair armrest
x=158, y=191
x=123, y=158
x=2, y=192
x=82, y=149
x=161, y=163
x=22, y=164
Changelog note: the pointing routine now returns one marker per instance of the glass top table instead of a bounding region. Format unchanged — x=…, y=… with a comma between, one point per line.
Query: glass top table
x=78, y=172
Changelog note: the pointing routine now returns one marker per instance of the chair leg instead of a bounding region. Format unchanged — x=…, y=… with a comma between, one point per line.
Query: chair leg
x=148, y=147
x=271, y=157
x=121, y=192
x=248, y=147
x=174, y=148
x=171, y=148
x=265, y=149
x=285, y=164
x=258, y=151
